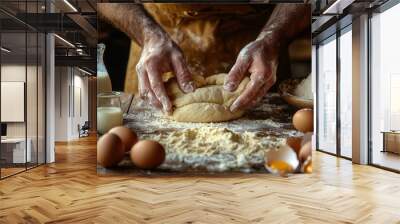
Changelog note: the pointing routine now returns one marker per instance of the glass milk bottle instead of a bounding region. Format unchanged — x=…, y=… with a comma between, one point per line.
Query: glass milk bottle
x=103, y=80
x=109, y=112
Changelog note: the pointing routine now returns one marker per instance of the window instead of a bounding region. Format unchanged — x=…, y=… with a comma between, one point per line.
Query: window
x=22, y=76
x=385, y=89
x=346, y=92
x=327, y=95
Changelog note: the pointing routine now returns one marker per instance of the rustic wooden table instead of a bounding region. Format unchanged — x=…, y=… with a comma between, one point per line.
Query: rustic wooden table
x=272, y=117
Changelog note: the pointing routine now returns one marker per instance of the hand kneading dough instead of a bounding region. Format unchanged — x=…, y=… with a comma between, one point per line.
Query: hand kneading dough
x=209, y=103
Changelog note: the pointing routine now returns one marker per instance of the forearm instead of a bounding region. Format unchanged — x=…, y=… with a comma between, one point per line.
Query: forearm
x=286, y=21
x=132, y=19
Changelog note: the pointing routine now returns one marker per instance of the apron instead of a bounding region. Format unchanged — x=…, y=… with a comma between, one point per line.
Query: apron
x=210, y=36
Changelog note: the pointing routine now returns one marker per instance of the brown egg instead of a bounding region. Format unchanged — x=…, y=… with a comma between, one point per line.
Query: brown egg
x=147, y=154
x=305, y=152
x=307, y=166
x=294, y=143
x=110, y=150
x=303, y=120
x=127, y=136
x=307, y=137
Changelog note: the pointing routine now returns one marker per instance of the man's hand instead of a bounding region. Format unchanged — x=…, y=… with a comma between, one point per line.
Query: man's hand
x=160, y=55
x=259, y=58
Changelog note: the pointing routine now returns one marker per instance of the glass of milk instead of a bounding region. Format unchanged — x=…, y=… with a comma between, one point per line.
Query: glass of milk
x=109, y=112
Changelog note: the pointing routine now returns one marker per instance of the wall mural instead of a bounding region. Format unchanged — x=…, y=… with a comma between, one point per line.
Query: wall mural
x=204, y=88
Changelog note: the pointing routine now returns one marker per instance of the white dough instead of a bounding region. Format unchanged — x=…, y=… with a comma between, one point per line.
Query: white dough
x=209, y=103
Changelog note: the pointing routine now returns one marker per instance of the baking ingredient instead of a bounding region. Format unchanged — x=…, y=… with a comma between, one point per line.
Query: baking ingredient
x=303, y=120
x=282, y=160
x=127, y=136
x=110, y=150
x=209, y=103
x=307, y=166
x=305, y=152
x=307, y=137
x=281, y=166
x=303, y=89
x=215, y=149
x=103, y=83
x=103, y=79
x=147, y=154
x=294, y=143
x=107, y=118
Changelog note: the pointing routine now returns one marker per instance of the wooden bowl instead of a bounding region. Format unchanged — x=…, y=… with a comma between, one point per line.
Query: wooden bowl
x=286, y=89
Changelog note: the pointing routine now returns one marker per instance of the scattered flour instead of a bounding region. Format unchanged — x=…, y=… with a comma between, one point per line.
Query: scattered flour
x=215, y=149
x=238, y=145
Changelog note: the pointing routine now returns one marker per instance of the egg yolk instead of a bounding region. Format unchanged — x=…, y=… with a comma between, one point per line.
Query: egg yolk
x=308, y=168
x=280, y=166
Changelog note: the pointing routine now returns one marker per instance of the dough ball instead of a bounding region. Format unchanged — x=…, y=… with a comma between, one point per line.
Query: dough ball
x=209, y=103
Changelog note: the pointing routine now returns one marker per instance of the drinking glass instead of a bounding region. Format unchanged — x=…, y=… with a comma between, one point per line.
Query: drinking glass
x=109, y=112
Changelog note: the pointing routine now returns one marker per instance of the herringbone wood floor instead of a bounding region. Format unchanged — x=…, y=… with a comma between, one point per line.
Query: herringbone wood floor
x=69, y=191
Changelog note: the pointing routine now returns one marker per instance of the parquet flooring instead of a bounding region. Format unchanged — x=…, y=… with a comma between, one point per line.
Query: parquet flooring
x=70, y=191
x=10, y=171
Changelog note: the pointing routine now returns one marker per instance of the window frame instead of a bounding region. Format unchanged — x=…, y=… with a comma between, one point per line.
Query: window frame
x=343, y=26
x=31, y=30
x=378, y=10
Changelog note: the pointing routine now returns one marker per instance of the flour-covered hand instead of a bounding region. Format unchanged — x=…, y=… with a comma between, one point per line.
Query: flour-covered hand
x=160, y=55
x=259, y=59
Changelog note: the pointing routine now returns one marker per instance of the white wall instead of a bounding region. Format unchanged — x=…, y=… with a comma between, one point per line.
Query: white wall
x=70, y=83
x=83, y=83
x=61, y=103
x=15, y=72
x=10, y=73
x=33, y=126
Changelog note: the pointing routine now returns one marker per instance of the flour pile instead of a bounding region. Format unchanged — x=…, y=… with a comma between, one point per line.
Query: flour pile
x=237, y=145
x=304, y=88
x=215, y=149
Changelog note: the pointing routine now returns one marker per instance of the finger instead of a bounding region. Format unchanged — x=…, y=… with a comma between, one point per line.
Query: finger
x=183, y=76
x=158, y=88
x=258, y=98
x=145, y=91
x=263, y=91
x=251, y=91
x=237, y=73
